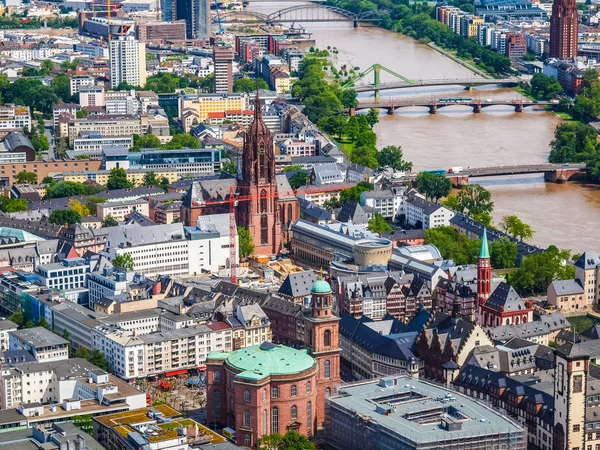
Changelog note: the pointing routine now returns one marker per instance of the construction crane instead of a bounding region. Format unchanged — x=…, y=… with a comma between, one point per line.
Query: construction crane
x=221, y=31
x=233, y=202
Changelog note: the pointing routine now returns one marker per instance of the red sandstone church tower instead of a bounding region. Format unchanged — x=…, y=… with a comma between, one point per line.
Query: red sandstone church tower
x=564, y=27
x=261, y=214
x=484, y=271
x=322, y=339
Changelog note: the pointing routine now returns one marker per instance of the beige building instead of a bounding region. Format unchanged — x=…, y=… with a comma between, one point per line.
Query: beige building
x=107, y=125
x=118, y=210
x=136, y=176
x=587, y=271
x=320, y=194
x=280, y=81
x=110, y=306
x=255, y=326
x=196, y=107
x=567, y=296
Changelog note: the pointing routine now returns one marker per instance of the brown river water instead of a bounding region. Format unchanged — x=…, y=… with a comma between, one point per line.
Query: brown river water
x=564, y=215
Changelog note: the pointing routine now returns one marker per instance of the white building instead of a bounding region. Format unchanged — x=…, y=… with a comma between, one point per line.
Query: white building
x=6, y=326
x=79, y=81
x=209, y=244
x=127, y=60
x=391, y=203
x=91, y=144
x=43, y=344
x=68, y=274
x=14, y=116
x=121, y=102
x=421, y=213
x=106, y=283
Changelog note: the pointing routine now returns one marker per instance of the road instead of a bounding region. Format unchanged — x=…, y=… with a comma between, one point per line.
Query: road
x=48, y=132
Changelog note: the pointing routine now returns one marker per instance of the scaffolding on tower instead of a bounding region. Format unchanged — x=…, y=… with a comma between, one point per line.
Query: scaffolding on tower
x=233, y=201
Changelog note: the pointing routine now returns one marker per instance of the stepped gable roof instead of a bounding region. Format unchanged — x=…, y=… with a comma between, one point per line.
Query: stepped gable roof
x=506, y=297
x=298, y=284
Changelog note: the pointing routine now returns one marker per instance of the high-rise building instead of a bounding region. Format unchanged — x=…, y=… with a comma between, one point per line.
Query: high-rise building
x=223, y=61
x=196, y=14
x=127, y=61
x=564, y=26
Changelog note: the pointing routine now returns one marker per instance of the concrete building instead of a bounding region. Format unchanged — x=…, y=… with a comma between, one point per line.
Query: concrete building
x=421, y=213
x=14, y=117
x=198, y=107
x=65, y=275
x=91, y=96
x=223, y=61
x=127, y=60
x=119, y=210
x=91, y=144
x=78, y=81
x=107, y=125
x=393, y=411
x=162, y=31
x=43, y=344
x=6, y=326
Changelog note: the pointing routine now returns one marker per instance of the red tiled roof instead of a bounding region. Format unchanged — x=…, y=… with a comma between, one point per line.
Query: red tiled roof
x=218, y=326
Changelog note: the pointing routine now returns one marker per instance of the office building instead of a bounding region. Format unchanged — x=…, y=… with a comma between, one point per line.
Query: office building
x=78, y=81
x=42, y=344
x=196, y=14
x=223, y=62
x=409, y=413
x=91, y=144
x=107, y=125
x=564, y=28
x=197, y=107
x=91, y=96
x=162, y=31
x=127, y=62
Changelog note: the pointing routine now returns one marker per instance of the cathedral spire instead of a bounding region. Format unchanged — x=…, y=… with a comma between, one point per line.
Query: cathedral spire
x=257, y=107
x=484, y=251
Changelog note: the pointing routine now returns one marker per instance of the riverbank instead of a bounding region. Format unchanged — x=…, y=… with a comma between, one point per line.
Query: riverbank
x=458, y=60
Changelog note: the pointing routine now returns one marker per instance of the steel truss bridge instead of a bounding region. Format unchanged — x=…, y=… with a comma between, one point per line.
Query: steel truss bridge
x=299, y=14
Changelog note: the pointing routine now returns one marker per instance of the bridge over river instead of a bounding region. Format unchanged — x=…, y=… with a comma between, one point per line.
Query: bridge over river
x=435, y=104
x=553, y=173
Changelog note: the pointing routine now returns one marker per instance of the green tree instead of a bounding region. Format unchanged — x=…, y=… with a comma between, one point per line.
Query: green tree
x=43, y=100
x=292, y=440
x=249, y=85
x=378, y=224
x=164, y=183
x=46, y=67
x=43, y=323
x=182, y=141
x=61, y=85
x=544, y=87
x=29, y=324
x=393, y=157
x=11, y=205
x=82, y=352
x=503, y=253
x=98, y=359
x=64, y=217
x=453, y=244
x=516, y=228
x=434, y=186
x=48, y=180
x=150, y=179
x=475, y=199
x=365, y=156
x=452, y=203
x=291, y=168
x=18, y=317
x=299, y=179
x=145, y=141
x=92, y=202
x=540, y=269
x=118, y=179
x=26, y=177
x=82, y=113
x=353, y=193
x=349, y=98
x=109, y=221
x=245, y=244
x=124, y=260
x=373, y=117
x=352, y=130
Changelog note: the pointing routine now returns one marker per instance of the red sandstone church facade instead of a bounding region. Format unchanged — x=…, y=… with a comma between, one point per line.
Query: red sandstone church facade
x=266, y=204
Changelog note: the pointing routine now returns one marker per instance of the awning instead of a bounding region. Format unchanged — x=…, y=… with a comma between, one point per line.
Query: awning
x=202, y=367
x=175, y=372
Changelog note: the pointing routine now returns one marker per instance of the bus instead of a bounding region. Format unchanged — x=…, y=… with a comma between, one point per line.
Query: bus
x=437, y=171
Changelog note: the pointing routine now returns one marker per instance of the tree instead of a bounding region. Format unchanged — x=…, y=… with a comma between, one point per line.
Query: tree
x=46, y=67
x=82, y=352
x=18, y=317
x=118, y=179
x=79, y=208
x=164, y=183
x=292, y=440
x=352, y=130
x=516, y=228
x=245, y=244
x=353, y=193
x=48, y=180
x=365, y=156
x=503, y=253
x=71, y=189
x=29, y=324
x=372, y=117
x=378, y=224
x=393, y=157
x=64, y=217
x=475, y=199
x=299, y=179
x=44, y=99
x=145, y=141
x=10, y=205
x=182, y=141
x=61, y=86
x=26, y=177
x=98, y=359
x=43, y=323
x=109, y=221
x=544, y=87
x=433, y=185
x=124, y=260
x=291, y=168
x=540, y=269
x=92, y=202
x=453, y=244
x=150, y=179
x=349, y=98
x=82, y=113
x=249, y=85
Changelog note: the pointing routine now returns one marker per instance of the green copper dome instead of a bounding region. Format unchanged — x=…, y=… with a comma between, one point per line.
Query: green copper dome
x=321, y=287
x=267, y=359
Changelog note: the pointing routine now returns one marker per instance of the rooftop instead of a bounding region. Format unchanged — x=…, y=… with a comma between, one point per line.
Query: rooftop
x=415, y=409
x=38, y=337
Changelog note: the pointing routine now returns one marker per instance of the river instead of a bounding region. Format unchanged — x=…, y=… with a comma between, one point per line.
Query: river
x=562, y=215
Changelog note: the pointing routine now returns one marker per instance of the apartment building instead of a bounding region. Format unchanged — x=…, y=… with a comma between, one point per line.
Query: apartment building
x=6, y=326
x=91, y=96
x=255, y=325
x=119, y=210
x=127, y=61
x=136, y=176
x=43, y=344
x=421, y=213
x=107, y=125
x=390, y=203
x=76, y=82
x=223, y=61
x=64, y=108
x=197, y=106
x=107, y=282
x=14, y=117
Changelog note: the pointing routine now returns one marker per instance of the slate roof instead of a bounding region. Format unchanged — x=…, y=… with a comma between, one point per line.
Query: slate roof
x=298, y=284
x=427, y=206
x=567, y=287
x=588, y=260
x=541, y=325
x=138, y=218
x=310, y=209
x=592, y=333
x=352, y=212
x=572, y=351
x=505, y=296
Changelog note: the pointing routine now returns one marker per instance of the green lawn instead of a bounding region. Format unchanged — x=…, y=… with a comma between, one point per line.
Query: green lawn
x=523, y=93
x=564, y=115
x=581, y=323
x=346, y=145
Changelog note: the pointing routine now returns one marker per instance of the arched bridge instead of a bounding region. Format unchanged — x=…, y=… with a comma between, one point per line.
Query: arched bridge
x=302, y=13
x=553, y=173
x=468, y=82
x=434, y=105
